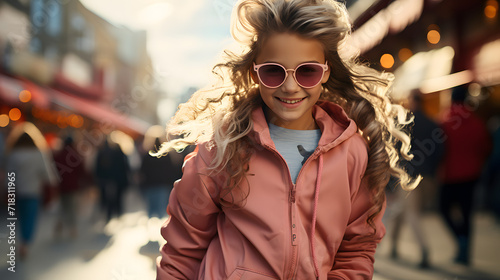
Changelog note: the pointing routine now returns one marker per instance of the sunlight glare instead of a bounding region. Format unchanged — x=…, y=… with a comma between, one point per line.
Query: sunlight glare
x=154, y=14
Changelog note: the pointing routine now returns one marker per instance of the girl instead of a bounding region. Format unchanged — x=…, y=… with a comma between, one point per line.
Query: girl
x=293, y=154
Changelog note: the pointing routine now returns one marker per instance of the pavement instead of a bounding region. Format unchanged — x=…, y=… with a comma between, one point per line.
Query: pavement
x=485, y=262
x=122, y=249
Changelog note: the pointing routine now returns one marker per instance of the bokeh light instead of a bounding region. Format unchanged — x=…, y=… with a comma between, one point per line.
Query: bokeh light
x=25, y=96
x=475, y=89
x=433, y=27
x=433, y=36
x=404, y=54
x=4, y=120
x=75, y=121
x=126, y=142
x=387, y=61
x=15, y=114
x=491, y=9
x=61, y=121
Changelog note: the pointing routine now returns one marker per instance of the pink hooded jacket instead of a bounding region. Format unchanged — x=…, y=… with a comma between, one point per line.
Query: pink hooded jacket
x=314, y=229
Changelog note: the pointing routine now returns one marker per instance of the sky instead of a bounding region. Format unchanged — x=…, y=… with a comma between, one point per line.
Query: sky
x=185, y=38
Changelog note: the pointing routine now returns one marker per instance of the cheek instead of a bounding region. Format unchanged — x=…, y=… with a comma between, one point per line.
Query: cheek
x=266, y=91
x=315, y=92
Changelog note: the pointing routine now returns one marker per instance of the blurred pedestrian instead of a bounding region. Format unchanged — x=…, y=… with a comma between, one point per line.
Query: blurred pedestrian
x=71, y=167
x=493, y=175
x=112, y=172
x=467, y=147
x=29, y=159
x=427, y=150
x=157, y=176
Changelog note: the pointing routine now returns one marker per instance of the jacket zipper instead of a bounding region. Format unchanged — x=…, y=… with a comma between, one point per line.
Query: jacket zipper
x=292, y=196
x=293, y=209
x=293, y=213
x=293, y=224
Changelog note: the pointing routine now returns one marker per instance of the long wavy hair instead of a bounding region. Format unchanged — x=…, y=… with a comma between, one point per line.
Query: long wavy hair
x=221, y=114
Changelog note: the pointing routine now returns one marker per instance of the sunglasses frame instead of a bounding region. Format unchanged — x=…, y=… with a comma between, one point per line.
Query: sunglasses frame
x=256, y=68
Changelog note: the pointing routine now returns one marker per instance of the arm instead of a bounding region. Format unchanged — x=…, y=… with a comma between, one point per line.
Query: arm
x=355, y=256
x=192, y=224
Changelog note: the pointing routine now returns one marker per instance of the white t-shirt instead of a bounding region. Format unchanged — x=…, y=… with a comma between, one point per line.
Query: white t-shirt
x=295, y=146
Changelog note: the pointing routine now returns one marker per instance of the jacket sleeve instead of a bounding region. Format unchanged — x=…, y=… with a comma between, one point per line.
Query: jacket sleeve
x=355, y=257
x=192, y=223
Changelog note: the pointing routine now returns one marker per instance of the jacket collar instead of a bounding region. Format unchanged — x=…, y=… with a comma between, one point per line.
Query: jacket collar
x=335, y=125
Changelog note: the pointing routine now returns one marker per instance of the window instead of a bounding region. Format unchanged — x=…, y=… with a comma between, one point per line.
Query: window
x=53, y=11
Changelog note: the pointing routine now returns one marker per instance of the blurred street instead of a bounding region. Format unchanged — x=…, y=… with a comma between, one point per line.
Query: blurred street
x=114, y=251
x=485, y=253
x=120, y=250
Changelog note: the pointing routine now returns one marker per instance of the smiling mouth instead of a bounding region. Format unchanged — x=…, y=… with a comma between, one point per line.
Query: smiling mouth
x=290, y=101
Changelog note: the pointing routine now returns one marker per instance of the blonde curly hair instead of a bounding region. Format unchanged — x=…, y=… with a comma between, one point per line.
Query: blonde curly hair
x=221, y=114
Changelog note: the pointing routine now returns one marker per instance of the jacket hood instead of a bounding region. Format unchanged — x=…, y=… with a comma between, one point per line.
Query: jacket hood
x=335, y=125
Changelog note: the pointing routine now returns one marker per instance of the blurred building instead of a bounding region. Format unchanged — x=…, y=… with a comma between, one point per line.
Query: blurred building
x=433, y=45
x=63, y=66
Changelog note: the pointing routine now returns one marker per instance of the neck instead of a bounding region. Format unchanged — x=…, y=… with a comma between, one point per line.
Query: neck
x=302, y=124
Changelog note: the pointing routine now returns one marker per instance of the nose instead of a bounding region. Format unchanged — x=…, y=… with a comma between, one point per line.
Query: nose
x=290, y=85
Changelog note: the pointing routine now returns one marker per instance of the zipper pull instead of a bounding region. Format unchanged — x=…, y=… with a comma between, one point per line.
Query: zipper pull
x=294, y=221
x=292, y=195
x=294, y=226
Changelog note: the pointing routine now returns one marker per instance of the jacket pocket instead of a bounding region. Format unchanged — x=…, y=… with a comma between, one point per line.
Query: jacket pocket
x=241, y=273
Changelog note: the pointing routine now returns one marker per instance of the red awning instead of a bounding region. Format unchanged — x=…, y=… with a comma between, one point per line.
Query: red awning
x=43, y=97
x=99, y=112
x=38, y=96
x=10, y=88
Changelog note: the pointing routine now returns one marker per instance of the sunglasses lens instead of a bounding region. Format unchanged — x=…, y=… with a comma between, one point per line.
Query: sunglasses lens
x=309, y=75
x=272, y=75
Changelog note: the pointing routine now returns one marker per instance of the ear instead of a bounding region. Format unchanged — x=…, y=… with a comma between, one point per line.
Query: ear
x=326, y=76
x=253, y=74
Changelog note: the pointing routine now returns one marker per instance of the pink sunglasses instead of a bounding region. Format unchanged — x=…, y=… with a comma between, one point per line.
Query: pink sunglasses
x=307, y=75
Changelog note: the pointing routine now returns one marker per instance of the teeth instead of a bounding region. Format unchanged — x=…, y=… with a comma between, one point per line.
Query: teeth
x=290, y=101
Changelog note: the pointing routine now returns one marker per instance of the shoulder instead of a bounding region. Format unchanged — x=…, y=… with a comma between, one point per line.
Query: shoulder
x=204, y=152
x=197, y=174
x=199, y=161
x=358, y=146
x=358, y=153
